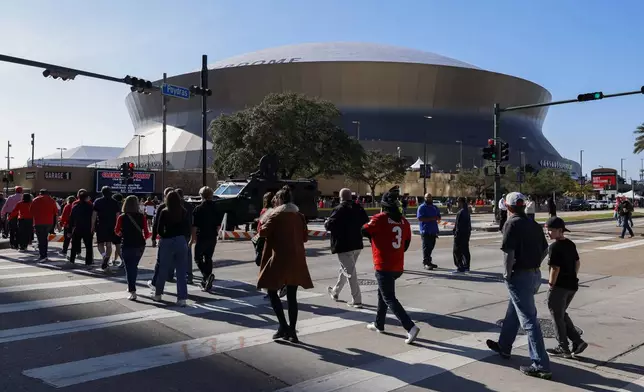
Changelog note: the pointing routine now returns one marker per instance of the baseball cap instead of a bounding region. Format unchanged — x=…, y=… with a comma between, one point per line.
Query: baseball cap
x=515, y=199
x=556, y=223
x=18, y=189
x=389, y=199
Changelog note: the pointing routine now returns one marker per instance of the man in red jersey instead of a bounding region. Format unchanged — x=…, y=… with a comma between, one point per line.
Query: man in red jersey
x=390, y=236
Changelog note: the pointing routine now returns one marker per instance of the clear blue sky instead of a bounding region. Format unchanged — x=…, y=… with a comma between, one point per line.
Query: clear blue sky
x=567, y=46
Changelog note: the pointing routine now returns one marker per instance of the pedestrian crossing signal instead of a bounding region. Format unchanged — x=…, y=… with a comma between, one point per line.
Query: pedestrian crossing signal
x=505, y=151
x=489, y=153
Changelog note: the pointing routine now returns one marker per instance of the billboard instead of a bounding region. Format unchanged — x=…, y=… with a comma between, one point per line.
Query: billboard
x=143, y=182
x=603, y=178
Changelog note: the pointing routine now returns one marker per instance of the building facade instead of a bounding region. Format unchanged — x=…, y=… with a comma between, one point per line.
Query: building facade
x=385, y=94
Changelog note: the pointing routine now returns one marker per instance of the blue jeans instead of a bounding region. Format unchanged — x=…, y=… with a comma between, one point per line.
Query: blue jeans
x=626, y=225
x=173, y=254
x=387, y=299
x=131, y=258
x=42, y=233
x=522, y=310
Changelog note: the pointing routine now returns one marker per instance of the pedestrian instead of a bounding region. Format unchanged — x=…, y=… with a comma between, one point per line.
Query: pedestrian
x=503, y=212
x=552, y=207
x=206, y=220
x=155, y=232
x=625, y=213
x=284, y=260
x=44, y=210
x=189, y=207
x=390, y=236
x=524, y=247
x=345, y=225
x=132, y=228
x=530, y=209
x=3, y=218
x=24, y=222
x=6, y=211
x=81, y=229
x=564, y=267
x=64, y=223
x=462, y=232
x=173, y=226
x=149, y=211
x=106, y=210
x=428, y=216
x=116, y=240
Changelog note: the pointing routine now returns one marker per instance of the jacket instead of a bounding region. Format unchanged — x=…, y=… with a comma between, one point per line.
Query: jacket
x=284, y=258
x=463, y=224
x=81, y=218
x=345, y=225
x=44, y=210
x=22, y=210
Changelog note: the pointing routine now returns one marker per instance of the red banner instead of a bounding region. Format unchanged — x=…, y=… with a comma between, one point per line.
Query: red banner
x=600, y=182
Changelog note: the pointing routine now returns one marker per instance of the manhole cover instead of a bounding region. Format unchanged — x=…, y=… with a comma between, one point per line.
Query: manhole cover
x=367, y=282
x=547, y=328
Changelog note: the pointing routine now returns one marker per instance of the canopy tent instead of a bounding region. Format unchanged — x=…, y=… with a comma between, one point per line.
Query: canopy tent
x=629, y=195
x=417, y=164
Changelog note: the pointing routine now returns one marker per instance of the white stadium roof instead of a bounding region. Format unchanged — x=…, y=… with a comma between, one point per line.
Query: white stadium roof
x=94, y=153
x=339, y=52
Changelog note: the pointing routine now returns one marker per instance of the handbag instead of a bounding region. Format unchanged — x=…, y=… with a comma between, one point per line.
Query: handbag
x=259, y=249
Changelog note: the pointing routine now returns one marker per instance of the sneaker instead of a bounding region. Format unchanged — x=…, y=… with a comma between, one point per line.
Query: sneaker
x=181, y=302
x=132, y=296
x=156, y=298
x=330, y=291
x=282, y=333
x=458, y=271
x=42, y=260
x=150, y=285
x=494, y=346
x=202, y=284
x=412, y=334
x=579, y=348
x=428, y=267
x=282, y=292
x=356, y=305
x=104, y=265
x=433, y=265
x=533, y=371
x=372, y=327
x=559, y=352
x=209, y=281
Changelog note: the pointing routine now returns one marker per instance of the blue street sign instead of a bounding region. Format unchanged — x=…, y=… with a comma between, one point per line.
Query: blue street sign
x=175, y=91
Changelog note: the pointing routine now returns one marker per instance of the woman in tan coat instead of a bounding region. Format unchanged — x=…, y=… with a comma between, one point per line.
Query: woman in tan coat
x=284, y=259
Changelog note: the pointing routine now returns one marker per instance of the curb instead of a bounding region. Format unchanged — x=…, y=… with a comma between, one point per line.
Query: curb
x=572, y=223
x=247, y=235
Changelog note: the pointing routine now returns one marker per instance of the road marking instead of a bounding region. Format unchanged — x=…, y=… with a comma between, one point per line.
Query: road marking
x=71, y=283
x=635, y=386
x=410, y=367
x=485, y=237
x=75, y=300
x=52, y=329
x=592, y=239
x=78, y=372
x=624, y=245
x=13, y=266
x=40, y=273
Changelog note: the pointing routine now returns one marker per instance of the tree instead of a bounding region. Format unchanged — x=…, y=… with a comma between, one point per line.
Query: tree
x=474, y=179
x=300, y=131
x=377, y=167
x=638, y=146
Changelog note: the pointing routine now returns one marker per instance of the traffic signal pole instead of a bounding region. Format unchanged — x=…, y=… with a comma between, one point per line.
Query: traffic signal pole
x=204, y=122
x=164, y=109
x=497, y=118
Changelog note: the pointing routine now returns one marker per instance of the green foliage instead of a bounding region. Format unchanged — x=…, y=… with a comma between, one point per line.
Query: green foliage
x=541, y=183
x=377, y=167
x=300, y=131
x=638, y=145
x=474, y=179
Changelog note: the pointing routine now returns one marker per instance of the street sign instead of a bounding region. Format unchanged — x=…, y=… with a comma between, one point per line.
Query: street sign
x=175, y=91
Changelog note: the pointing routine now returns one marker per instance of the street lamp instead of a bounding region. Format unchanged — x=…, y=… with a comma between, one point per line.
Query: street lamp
x=138, y=162
x=460, y=162
x=425, y=159
x=398, y=149
x=358, y=128
x=61, y=154
x=621, y=173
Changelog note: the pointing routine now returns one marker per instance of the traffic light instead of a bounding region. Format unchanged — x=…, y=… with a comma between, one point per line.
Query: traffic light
x=10, y=176
x=130, y=170
x=489, y=152
x=124, y=170
x=63, y=74
x=33, y=138
x=141, y=86
x=504, y=151
x=196, y=90
x=590, y=96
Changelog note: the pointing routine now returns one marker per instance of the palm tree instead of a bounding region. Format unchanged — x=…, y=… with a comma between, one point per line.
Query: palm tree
x=638, y=146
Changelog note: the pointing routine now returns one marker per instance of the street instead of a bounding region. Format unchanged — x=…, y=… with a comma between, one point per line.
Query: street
x=64, y=327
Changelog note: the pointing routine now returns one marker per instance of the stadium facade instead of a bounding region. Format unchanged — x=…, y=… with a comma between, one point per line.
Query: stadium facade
x=383, y=92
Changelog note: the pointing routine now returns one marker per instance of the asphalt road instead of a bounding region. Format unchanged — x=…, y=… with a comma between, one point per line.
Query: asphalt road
x=74, y=329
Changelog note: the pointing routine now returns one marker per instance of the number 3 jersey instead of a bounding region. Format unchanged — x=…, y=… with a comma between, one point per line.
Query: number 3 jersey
x=388, y=239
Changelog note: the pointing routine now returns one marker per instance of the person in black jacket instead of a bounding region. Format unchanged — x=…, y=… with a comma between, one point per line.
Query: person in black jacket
x=206, y=220
x=80, y=227
x=345, y=225
x=132, y=227
x=155, y=231
x=462, y=231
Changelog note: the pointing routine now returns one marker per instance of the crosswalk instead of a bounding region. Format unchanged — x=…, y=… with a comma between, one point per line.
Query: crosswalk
x=41, y=303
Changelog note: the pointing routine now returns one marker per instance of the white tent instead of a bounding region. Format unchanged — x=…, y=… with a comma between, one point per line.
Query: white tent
x=629, y=195
x=417, y=164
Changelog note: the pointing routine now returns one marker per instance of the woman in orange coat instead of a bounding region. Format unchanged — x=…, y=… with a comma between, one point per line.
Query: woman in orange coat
x=25, y=221
x=284, y=259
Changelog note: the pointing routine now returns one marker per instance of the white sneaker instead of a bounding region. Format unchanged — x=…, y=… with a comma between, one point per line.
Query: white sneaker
x=354, y=305
x=132, y=296
x=150, y=285
x=330, y=291
x=372, y=327
x=412, y=334
x=156, y=298
x=181, y=302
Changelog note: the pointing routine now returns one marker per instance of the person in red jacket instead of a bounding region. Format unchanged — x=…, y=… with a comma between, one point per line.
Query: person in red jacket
x=22, y=212
x=44, y=211
x=390, y=235
x=64, y=220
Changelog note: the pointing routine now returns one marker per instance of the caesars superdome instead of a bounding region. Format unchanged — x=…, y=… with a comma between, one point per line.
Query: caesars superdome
x=383, y=92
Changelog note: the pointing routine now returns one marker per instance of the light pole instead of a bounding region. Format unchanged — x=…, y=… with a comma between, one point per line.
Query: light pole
x=8, y=154
x=642, y=169
x=460, y=162
x=164, y=110
x=425, y=159
x=357, y=129
x=61, y=154
x=621, y=174
x=398, y=148
x=138, y=162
